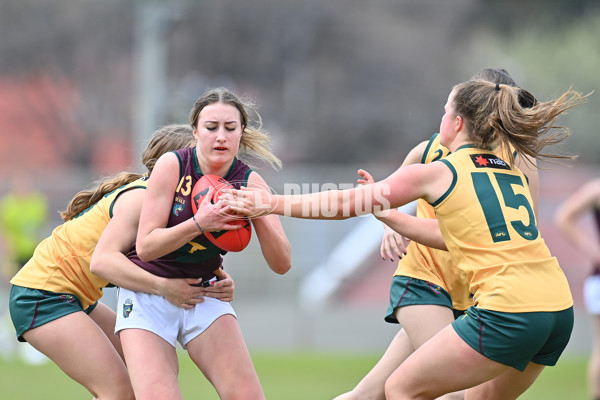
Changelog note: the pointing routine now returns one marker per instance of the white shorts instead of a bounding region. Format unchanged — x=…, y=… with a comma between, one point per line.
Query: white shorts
x=591, y=294
x=154, y=313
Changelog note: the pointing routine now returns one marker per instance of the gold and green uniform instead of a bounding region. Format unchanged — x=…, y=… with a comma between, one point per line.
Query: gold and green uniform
x=61, y=262
x=488, y=224
x=432, y=265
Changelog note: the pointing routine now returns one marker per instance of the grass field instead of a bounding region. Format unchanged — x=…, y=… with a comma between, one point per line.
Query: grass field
x=284, y=376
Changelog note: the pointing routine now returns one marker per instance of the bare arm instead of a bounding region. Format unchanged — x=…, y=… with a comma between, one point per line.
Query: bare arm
x=393, y=244
x=423, y=230
x=427, y=181
x=571, y=211
x=416, y=154
x=109, y=261
x=273, y=241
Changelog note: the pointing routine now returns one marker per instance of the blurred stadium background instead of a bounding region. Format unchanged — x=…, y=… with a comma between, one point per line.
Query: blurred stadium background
x=341, y=85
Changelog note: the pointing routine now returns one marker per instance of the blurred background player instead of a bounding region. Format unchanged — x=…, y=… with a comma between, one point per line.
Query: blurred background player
x=23, y=221
x=23, y=224
x=585, y=202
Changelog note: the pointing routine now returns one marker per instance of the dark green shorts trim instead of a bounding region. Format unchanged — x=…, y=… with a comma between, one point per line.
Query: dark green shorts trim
x=516, y=339
x=30, y=308
x=407, y=291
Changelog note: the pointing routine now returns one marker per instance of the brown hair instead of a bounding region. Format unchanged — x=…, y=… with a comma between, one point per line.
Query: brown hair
x=502, y=77
x=494, y=75
x=165, y=139
x=494, y=116
x=255, y=141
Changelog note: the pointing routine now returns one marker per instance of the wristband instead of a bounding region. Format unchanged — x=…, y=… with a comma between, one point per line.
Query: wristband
x=197, y=224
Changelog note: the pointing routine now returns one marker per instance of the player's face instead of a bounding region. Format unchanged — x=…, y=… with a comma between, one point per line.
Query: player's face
x=218, y=133
x=448, y=124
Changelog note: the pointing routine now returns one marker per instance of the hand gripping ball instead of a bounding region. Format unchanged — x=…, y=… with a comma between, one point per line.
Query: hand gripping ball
x=235, y=240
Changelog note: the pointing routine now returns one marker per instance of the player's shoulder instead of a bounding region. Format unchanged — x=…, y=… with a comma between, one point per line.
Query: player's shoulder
x=434, y=150
x=239, y=172
x=131, y=197
x=254, y=179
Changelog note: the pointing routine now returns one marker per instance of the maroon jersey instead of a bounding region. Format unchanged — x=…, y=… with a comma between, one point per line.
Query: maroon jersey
x=199, y=257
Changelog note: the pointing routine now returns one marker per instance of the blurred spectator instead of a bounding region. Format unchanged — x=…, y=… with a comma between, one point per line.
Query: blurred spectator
x=23, y=221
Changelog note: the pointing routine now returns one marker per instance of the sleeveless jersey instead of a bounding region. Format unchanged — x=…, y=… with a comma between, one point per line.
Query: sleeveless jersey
x=199, y=257
x=433, y=265
x=488, y=224
x=61, y=262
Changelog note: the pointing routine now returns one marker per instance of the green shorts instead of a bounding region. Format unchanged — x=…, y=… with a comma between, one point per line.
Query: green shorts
x=30, y=308
x=407, y=291
x=516, y=339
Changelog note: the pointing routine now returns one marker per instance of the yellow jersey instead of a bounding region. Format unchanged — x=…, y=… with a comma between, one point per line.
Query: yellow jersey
x=61, y=262
x=432, y=265
x=489, y=227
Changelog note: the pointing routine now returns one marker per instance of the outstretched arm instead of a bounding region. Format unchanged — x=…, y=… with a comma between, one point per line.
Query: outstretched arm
x=423, y=230
x=427, y=181
x=393, y=244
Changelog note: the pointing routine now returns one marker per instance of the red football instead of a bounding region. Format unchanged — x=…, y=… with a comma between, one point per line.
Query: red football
x=235, y=240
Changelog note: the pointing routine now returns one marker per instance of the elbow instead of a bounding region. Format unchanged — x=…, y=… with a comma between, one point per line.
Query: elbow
x=557, y=221
x=560, y=220
x=143, y=253
x=281, y=268
x=281, y=263
x=144, y=257
x=96, y=267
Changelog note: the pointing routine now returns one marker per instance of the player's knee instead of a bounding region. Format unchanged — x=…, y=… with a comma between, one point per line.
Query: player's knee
x=395, y=390
x=392, y=391
x=371, y=392
x=347, y=396
x=116, y=391
x=243, y=394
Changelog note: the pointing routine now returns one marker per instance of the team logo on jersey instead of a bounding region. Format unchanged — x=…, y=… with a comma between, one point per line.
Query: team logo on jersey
x=177, y=208
x=434, y=288
x=67, y=298
x=195, y=247
x=127, y=308
x=488, y=161
x=501, y=235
